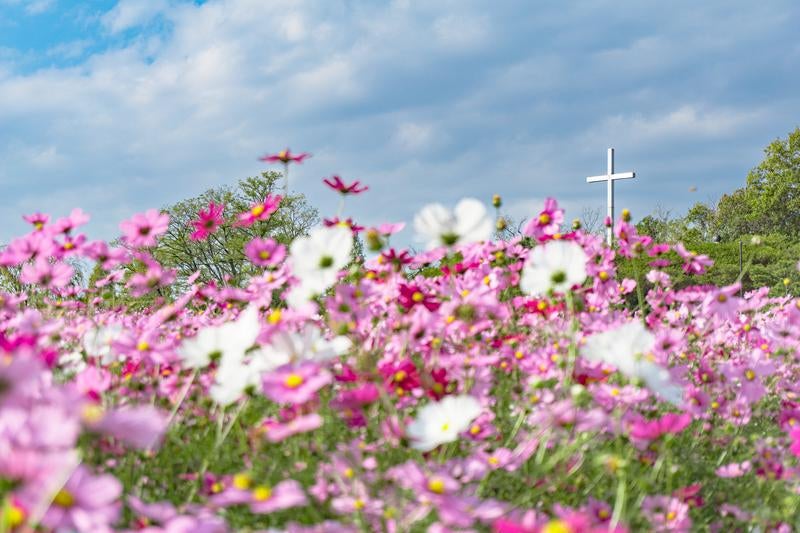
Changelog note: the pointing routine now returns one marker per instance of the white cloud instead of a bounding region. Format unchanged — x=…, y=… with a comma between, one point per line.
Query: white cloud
x=128, y=14
x=414, y=136
x=420, y=100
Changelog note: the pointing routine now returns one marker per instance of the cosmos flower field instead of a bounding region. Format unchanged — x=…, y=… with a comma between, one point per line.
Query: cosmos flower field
x=478, y=385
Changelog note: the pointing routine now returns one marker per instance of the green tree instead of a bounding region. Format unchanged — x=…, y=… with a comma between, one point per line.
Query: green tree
x=773, y=188
x=221, y=257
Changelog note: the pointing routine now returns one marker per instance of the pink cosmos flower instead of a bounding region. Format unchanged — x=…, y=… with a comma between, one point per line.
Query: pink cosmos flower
x=66, y=224
x=388, y=229
x=734, y=469
x=47, y=274
x=142, y=229
x=284, y=495
x=140, y=426
x=794, y=447
x=265, y=252
x=345, y=223
x=648, y=430
x=279, y=431
x=208, y=220
x=336, y=183
x=285, y=157
x=411, y=295
x=296, y=384
x=260, y=210
x=693, y=263
x=108, y=257
x=547, y=223
x=86, y=503
x=37, y=220
x=666, y=513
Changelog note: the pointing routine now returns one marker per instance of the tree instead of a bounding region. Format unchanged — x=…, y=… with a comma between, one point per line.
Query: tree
x=773, y=188
x=221, y=257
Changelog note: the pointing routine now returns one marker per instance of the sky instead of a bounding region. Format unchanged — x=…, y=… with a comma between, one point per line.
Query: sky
x=119, y=106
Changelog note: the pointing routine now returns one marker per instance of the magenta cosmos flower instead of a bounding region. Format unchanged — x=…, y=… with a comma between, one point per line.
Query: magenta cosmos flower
x=142, y=229
x=260, y=210
x=295, y=384
x=285, y=157
x=265, y=252
x=336, y=183
x=208, y=220
x=86, y=503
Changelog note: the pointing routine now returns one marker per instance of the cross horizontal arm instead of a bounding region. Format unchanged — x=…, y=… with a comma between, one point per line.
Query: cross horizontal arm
x=605, y=177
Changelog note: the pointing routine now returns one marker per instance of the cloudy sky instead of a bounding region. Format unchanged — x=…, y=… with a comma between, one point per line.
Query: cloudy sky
x=121, y=106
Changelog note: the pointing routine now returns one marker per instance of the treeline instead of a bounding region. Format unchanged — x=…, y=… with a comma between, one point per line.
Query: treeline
x=762, y=219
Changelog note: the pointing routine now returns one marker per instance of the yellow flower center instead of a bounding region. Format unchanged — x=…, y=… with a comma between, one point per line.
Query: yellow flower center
x=544, y=218
x=475, y=429
x=262, y=493
x=493, y=460
x=274, y=317
x=92, y=413
x=348, y=473
x=14, y=516
x=143, y=346
x=750, y=375
x=216, y=488
x=358, y=504
x=400, y=375
x=263, y=254
x=417, y=296
x=556, y=526
x=436, y=485
x=242, y=481
x=672, y=515
x=445, y=426
x=293, y=381
x=603, y=275
x=257, y=210
x=64, y=498
x=615, y=392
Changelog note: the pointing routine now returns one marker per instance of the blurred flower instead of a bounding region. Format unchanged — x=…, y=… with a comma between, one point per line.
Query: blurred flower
x=441, y=422
x=438, y=226
x=556, y=265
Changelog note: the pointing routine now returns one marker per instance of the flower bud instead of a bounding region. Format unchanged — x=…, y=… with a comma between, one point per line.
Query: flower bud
x=374, y=241
x=576, y=224
x=497, y=201
x=501, y=224
x=626, y=215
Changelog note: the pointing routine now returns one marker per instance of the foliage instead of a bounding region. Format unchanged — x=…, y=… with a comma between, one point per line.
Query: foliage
x=220, y=257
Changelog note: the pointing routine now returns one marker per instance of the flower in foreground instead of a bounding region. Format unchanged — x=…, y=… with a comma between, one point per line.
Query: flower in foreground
x=142, y=229
x=625, y=347
x=557, y=266
x=208, y=220
x=265, y=252
x=441, y=422
x=439, y=226
x=260, y=210
x=86, y=503
x=317, y=258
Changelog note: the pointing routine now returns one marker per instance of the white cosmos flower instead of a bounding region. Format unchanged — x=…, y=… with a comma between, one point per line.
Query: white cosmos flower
x=97, y=343
x=228, y=341
x=441, y=422
x=468, y=222
x=230, y=381
x=556, y=265
x=626, y=347
x=308, y=345
x=317, y=258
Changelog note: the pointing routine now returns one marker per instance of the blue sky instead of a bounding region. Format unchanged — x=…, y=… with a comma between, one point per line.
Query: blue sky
x=118, y=106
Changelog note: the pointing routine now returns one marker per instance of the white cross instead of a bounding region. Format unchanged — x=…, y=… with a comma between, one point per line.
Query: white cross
x=609, y=178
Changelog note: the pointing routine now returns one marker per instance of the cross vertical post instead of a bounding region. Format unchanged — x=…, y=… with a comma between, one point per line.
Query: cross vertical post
x=609, y=178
